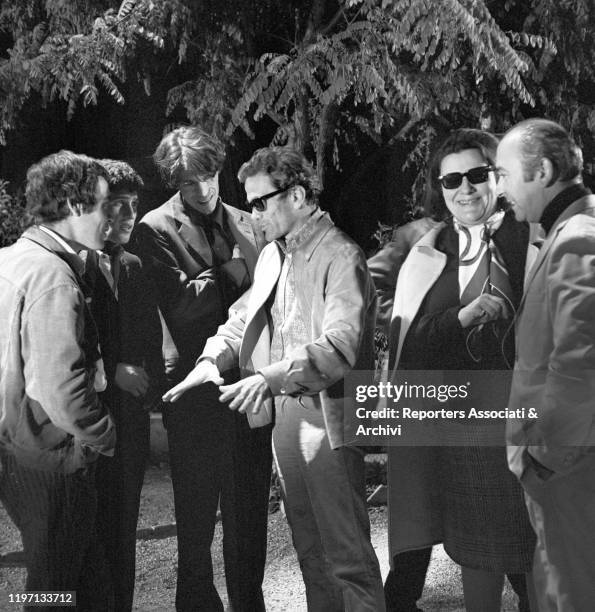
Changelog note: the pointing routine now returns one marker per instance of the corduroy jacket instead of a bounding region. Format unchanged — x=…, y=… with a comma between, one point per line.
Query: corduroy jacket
x=50, y=415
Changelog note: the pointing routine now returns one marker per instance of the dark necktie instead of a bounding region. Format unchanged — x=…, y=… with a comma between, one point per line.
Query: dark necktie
x=219, y=240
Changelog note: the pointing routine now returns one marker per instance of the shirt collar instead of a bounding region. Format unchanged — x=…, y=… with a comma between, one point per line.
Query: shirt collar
x=69, y=250
x=67, y=245
x=201, y=219
x=112, y=249
x=560, y=203
x=303, y=234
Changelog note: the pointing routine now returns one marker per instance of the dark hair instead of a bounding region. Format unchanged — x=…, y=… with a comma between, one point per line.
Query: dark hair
x=542, y=138
x=121, y=176
x=58, y=179
x=457, y=141
x=286, y=167
x=191, y=149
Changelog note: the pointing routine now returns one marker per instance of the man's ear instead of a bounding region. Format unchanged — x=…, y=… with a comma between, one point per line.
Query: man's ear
x=546, y=174
x=298, y=195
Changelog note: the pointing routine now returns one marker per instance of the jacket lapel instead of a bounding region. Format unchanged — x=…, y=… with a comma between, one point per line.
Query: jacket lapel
x=576, y=207
x=255, y=349
x=420, y=271
x=249, y=241
x=48, y=242
x=192, y=235
x=256, y=343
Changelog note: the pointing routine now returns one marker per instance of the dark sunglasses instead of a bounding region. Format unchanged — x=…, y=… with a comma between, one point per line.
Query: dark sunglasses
x=452, y=180
x=260, y=204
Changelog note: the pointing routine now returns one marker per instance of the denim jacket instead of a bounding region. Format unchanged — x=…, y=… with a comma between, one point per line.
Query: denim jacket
x=50, y=416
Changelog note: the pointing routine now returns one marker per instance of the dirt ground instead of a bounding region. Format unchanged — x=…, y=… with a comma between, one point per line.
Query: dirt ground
x=283, y=587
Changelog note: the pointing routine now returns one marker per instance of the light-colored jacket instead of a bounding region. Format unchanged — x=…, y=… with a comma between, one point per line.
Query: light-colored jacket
x=50, y=415
x=555, y=367
x=336, y=294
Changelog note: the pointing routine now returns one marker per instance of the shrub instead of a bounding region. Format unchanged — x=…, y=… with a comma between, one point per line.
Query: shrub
x=13, y=215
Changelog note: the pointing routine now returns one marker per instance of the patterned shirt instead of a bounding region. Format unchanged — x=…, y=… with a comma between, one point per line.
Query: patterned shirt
x=290, y=319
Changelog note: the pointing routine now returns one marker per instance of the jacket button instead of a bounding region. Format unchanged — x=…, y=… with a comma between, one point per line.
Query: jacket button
x=283, y=390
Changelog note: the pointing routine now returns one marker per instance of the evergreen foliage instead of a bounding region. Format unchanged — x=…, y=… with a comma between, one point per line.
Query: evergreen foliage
x=13, y=216
x=67, y=51
x=323, y=71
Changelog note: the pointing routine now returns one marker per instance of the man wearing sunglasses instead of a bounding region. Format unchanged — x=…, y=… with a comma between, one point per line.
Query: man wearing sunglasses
x=201, y=255
x=308, y=320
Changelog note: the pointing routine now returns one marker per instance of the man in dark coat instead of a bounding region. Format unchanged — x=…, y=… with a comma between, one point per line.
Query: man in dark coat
x=201, y=255
x=125, y=310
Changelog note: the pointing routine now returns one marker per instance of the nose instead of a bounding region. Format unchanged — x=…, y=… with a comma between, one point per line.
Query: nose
x=203, y=188
x=467, y=186
x=128, y=211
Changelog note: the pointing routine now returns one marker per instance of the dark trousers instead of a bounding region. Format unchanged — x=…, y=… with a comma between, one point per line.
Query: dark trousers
x=55, y=514
x=119, y=484
x=215, y=458
x=404, y=584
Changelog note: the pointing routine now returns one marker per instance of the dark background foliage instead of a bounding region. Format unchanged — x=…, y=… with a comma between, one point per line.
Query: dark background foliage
x=363, y=87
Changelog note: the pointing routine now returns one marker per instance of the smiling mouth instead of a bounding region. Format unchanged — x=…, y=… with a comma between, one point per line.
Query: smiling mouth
x=207, y=198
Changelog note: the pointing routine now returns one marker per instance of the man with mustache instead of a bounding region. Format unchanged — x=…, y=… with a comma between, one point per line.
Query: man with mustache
x=201, y=255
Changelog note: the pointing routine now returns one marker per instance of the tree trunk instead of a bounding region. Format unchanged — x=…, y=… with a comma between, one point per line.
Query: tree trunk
x=326, y=140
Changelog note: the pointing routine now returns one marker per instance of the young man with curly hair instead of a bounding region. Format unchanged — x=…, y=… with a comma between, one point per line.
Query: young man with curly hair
x=53, y=426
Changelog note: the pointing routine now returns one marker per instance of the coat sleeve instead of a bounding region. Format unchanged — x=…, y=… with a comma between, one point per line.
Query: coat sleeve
x=386, y=265
x=140, y=327
x=349, y=302
x=224, y=347
x=57, y=372
x=565, y=426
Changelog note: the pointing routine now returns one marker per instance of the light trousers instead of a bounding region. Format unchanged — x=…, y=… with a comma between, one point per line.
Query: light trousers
x=325, y=502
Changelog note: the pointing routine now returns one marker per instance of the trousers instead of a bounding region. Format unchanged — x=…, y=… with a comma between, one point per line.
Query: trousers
x=216, y=459
x=56, y=514
x=324, y=497
x=119, y=484
x=562, y=512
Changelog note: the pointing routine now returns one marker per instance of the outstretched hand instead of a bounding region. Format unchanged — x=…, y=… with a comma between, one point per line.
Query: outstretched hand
x=246, y=395
x=203, y=372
